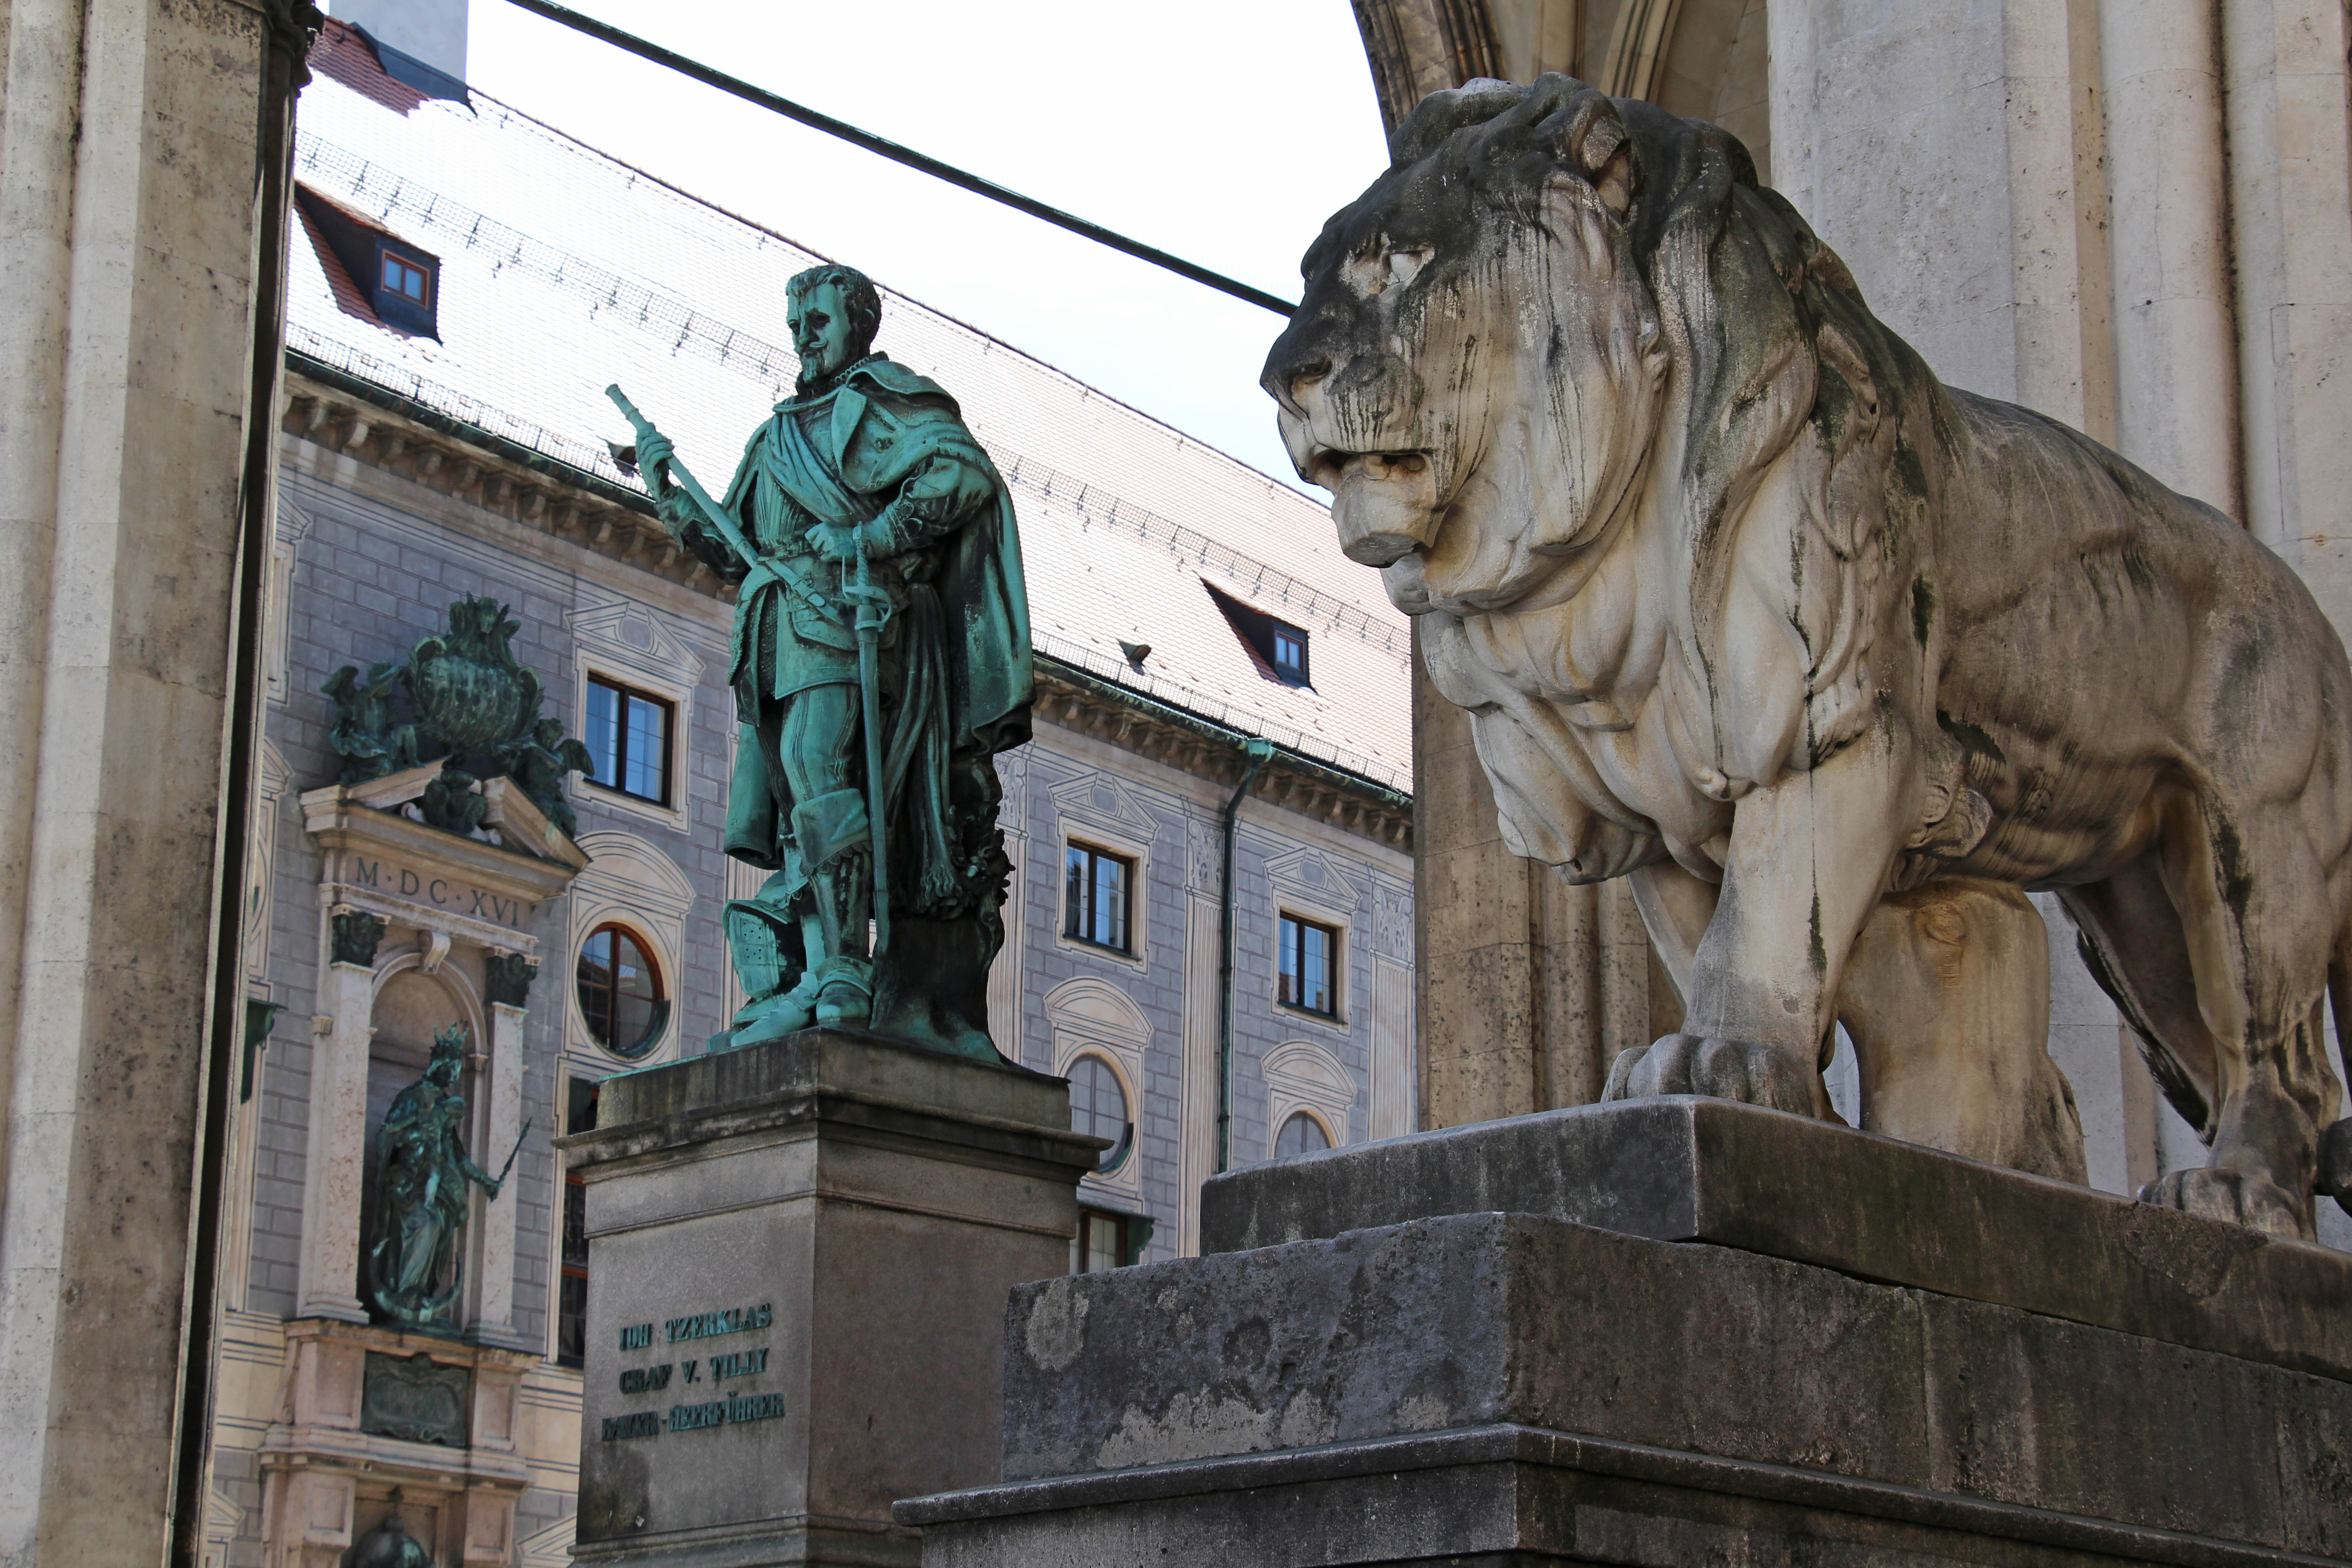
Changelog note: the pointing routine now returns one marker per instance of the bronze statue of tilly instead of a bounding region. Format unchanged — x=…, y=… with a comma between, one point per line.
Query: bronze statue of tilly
x=880, y=660
x=1835, y=662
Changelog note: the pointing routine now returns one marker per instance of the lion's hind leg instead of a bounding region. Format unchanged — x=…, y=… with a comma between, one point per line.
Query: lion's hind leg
x=1947, y=999
x=2260, y=925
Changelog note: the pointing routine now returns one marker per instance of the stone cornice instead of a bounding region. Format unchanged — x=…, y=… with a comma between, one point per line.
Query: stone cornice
x=426, y=447
x=1076, y=701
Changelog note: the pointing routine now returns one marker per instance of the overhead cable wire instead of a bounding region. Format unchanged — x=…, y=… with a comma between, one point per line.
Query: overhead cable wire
x=775, y=103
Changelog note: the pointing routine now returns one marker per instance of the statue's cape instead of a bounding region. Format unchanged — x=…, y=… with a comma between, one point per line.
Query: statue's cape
x=983, y=599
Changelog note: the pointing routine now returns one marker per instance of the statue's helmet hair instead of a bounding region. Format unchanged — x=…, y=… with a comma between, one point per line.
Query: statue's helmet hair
x=449, y=1044
x=857, y=289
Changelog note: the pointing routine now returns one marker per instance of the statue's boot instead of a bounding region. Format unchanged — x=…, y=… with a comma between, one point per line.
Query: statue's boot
x=845, y=999
x=835, y=840
x=774, y=1017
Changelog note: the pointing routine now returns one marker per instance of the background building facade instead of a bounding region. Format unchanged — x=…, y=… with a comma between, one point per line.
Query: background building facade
x=459, y=299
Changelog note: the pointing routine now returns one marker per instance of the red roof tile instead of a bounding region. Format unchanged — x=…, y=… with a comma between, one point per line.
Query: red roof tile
x=342, y=53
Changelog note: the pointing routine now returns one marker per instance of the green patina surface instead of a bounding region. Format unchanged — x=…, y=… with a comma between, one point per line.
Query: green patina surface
x=462, y=698
x=880, y=660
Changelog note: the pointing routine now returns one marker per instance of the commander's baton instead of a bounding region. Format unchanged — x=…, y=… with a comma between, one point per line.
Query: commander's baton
x=711, y=510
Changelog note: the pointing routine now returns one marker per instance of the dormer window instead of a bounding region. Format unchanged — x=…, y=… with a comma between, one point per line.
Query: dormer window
x=1279, y=646
x=376, y=275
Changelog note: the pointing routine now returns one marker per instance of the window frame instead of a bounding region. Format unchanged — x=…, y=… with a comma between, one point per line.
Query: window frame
x=1337, y=940
x=626, y=694
x=1116, y=1157
x=579, y=1116
x=1130, y=865
x=1300, y=1113
x=389, y=256
x=662, y=1002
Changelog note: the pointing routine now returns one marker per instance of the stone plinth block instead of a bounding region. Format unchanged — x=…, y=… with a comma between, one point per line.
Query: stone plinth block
x=1498, y=1387
x=800, y=1254
x=1683, y=1168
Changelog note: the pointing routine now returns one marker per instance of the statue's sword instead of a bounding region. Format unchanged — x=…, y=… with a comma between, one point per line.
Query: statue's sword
x=513, y=1152
x=868, y=624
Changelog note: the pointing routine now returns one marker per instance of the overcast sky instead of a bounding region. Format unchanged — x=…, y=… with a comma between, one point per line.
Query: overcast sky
x=1223, y=130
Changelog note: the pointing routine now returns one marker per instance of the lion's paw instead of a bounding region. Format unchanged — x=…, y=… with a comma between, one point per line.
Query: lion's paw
x=2336, y=1163
x=1725, y=1069
x=2216, y=1192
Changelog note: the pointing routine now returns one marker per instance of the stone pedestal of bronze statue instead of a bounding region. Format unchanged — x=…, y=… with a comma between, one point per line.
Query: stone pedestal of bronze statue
x=800, y=1254
x=1701, y=1332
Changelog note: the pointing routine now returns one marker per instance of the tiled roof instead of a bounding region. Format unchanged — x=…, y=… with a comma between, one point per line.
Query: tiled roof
x=563, y=270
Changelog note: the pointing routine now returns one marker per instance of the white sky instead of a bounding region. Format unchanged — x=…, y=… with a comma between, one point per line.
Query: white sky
x=1223, y=130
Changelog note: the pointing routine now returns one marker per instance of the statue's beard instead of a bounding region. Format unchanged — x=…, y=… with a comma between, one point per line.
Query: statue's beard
x=808, y=386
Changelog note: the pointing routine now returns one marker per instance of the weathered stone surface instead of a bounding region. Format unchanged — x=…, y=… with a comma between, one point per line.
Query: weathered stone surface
x=1840, y=666
x=1689, y=1169
x=1512, y=1497
x=861, y=1208
x=1477, y=1320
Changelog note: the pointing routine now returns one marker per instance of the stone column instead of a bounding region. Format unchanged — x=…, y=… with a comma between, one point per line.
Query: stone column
x=2176, y=349
x=494, y=1253
x=1950, y=151
x=2291, y=227
x=335, y=1156
x=130, y=135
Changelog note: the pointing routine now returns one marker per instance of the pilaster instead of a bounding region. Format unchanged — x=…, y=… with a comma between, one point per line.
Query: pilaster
x=335, y=1163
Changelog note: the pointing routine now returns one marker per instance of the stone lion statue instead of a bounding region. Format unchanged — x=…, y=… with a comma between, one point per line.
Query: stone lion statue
x=1833, y=661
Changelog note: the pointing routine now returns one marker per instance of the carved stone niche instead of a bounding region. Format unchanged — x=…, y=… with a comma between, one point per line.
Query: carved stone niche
x=400, y=894
x=367, y=1412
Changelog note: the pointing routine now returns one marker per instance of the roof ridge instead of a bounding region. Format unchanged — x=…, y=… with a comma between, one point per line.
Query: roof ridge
x=597, y=154
x=712, y=337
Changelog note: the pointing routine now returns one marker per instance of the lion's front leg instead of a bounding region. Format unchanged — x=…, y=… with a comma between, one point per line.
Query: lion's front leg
x=1809, y=862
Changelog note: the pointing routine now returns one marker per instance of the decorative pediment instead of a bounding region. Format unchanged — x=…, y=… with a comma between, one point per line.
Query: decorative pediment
x=383, y=862
x=1104, y=802
x=632, y=638
x=1312, y=878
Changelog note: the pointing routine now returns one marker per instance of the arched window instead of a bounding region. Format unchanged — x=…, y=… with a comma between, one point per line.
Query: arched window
x=1302, y=1134
x=1098, y=1105
x=621, y=992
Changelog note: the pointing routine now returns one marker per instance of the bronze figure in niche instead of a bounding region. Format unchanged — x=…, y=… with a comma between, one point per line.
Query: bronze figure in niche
x=1835, y=661
x=880, y=661
x=414, y=1266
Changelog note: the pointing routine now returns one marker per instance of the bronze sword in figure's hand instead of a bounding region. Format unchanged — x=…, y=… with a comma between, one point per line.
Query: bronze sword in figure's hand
x=868, y=625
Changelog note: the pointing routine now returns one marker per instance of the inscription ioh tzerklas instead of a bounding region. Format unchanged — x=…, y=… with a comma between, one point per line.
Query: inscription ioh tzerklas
x=731, y=1408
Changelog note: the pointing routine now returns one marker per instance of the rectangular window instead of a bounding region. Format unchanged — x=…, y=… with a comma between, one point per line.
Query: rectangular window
x=571, y=1283
x=1289, y=652
x=1102, y=1241
x=627, y=736
x=1096, y=907
x=407, y=278
x=1310, y=966
x=571, y=1290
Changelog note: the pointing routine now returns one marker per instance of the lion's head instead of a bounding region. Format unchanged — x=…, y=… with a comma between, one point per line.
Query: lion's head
x=1554, y=308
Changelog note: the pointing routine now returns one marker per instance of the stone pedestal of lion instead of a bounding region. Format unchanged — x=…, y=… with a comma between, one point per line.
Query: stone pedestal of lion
x=1835, y=663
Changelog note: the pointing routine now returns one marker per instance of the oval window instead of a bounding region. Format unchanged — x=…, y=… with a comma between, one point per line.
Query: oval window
x=1302, y=1134
x=1098, y=1105
x=621, y=992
